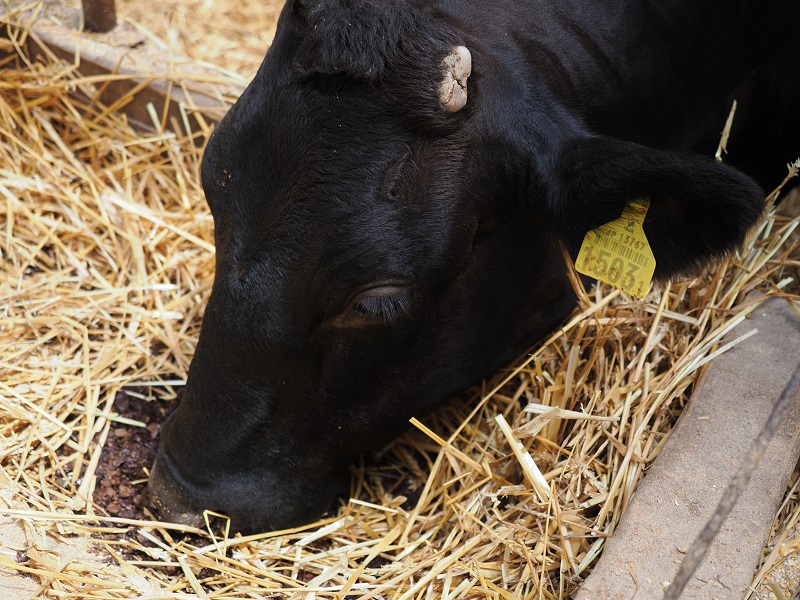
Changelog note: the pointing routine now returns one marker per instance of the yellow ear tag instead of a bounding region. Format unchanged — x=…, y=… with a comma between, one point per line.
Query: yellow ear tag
x=617, y=253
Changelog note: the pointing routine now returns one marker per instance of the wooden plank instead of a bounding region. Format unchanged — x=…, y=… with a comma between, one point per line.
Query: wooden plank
x=128, y=72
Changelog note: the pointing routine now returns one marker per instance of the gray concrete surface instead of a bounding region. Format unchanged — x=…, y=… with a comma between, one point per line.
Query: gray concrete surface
x=679, y=494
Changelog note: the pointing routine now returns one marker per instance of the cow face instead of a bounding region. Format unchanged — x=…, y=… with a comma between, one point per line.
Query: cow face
x=384, y=240
x=363, y=274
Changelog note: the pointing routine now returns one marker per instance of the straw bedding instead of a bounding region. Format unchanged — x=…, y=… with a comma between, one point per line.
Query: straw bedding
x=106, y=261
x=233, y=32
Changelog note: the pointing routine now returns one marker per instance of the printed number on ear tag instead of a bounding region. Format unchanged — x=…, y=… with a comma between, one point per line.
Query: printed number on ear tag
x=617, y=253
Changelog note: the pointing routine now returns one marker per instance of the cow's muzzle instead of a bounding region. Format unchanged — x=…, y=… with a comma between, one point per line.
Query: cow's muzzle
x=279, y=494
x=170, y=497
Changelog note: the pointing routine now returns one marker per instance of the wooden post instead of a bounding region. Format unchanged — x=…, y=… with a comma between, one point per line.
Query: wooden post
x=99, y=15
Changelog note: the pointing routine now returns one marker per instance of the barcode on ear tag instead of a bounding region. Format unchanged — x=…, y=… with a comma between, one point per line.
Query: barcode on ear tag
x=617, y=253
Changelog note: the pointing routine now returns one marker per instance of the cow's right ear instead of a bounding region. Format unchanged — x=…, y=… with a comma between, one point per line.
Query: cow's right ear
x=700, y=209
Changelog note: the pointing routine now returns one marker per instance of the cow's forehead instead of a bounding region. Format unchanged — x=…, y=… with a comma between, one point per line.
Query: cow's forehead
x=292, y=140
x=340, y=198
x=292, y=130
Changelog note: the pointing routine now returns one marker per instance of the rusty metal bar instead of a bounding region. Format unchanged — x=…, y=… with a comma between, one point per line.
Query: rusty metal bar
x=99, y=15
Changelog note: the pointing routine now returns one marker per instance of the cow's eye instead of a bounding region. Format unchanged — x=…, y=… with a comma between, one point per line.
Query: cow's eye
x=385, y=303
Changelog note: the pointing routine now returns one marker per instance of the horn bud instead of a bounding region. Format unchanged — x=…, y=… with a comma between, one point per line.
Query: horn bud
x=457, y=67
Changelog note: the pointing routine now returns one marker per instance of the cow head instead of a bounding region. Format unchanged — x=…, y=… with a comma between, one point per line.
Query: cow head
x=387, y=230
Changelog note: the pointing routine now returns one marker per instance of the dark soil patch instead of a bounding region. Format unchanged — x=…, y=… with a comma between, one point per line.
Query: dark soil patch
x=130, y=451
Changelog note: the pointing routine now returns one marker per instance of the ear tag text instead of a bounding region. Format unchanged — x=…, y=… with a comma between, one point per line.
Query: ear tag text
x=618, y=253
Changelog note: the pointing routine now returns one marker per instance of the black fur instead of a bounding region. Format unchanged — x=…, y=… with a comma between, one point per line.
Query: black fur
x=376, y=254
x=365, y=39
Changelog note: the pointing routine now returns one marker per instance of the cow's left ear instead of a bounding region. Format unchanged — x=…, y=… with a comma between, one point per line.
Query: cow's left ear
x=700, y=209
x=362, y=38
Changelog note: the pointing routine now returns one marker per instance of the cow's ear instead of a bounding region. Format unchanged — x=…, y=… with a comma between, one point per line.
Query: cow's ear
x=364, y=38
x=700, y=209
x=352, y=37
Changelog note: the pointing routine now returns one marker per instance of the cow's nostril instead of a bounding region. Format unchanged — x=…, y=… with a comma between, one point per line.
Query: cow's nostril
x=171, y=498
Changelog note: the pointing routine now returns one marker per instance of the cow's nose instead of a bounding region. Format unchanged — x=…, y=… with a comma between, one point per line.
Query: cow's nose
x=171, y=498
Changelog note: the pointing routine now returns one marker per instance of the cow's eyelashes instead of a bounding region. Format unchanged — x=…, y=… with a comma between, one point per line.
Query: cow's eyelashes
x=382, y=304
x=380, y=308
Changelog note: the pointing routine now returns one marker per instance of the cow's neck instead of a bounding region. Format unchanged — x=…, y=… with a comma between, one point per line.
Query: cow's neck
x=629, y=57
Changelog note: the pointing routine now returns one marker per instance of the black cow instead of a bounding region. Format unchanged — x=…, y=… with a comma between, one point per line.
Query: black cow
x=391, y=193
